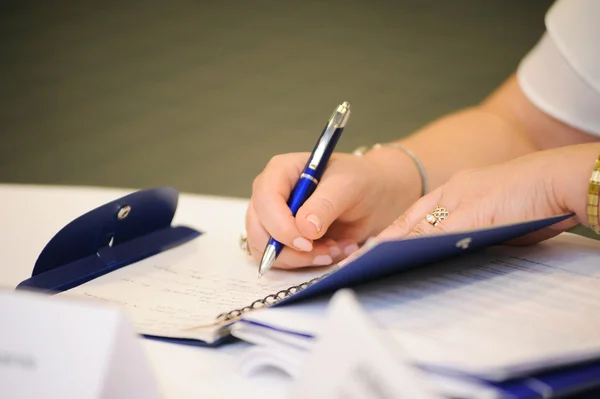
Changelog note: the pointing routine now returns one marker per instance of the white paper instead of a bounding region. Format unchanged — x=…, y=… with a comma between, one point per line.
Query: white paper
x=504, y=312
x=51, y=347
x=352, y=358
x=174, y=293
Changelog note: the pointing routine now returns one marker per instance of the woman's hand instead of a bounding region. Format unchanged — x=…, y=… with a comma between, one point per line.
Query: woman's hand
x=539, y=185
x=356, y=198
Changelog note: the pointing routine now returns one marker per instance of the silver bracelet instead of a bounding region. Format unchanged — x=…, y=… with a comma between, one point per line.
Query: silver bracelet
x=360, y=151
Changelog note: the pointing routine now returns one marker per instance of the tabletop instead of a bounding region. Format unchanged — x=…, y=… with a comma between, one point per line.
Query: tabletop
x=30, y=216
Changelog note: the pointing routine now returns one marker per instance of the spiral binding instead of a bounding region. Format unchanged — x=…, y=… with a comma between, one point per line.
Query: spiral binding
x=269, y=300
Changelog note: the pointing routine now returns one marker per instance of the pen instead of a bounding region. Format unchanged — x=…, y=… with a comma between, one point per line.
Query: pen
x=315, y=166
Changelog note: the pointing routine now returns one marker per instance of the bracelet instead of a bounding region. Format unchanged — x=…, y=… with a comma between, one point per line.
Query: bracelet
x=360, y=151
x=592, y=198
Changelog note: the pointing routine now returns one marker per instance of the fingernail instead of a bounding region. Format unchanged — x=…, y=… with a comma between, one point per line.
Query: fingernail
x=322, y=260
x=370, y=243
x=316, y=221
x=335, y=251
x=350, y=249
x=302, y=244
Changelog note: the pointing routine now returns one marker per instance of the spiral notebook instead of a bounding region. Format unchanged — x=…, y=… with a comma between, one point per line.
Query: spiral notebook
x=194, y=293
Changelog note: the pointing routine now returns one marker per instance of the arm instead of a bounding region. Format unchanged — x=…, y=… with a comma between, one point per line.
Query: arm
x=504, y=126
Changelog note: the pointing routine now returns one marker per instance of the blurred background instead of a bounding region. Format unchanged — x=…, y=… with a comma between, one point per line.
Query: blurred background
x=199, y=95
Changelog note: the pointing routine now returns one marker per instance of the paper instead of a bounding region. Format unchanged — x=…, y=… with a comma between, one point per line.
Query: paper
x=69, y=349
x=496, y=314
x=339, y=368
x=171, y=293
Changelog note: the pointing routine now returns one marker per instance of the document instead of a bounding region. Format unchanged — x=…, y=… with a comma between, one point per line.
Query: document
x=501, y=312
x=181, y=292
x=511, y=308
x=339, y=368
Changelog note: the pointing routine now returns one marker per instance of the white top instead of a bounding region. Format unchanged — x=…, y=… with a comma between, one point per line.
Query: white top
x=561, y=74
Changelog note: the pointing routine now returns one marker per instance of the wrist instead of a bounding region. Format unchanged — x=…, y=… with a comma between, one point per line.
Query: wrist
x=572, y=172
x=403, y=174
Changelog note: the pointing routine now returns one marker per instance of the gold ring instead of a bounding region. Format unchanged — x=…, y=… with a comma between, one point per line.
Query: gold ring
x=244, y=243
x=436, y=216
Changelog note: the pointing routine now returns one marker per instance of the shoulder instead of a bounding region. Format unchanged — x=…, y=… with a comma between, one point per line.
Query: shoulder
x=561, y=74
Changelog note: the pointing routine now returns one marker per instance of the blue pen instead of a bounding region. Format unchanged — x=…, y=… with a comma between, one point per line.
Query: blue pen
x=310, y=177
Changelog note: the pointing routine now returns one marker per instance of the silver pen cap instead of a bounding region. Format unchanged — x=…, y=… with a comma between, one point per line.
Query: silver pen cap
x=338, y=120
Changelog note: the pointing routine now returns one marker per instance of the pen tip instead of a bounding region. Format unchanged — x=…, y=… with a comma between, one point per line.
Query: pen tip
x=267, y=260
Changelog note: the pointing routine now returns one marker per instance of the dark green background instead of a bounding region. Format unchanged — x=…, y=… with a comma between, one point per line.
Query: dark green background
x=199, y=95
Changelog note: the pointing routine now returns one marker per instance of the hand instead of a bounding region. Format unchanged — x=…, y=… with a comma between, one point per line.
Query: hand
x=535, y=186
x=356, y=198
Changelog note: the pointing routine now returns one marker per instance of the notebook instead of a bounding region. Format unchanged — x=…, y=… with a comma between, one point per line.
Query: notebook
x=362, y=359
x=377, y=368
x=182, y=285
x=507, y=322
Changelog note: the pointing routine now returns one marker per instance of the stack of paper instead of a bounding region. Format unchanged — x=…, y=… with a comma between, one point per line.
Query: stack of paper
x=507, y=317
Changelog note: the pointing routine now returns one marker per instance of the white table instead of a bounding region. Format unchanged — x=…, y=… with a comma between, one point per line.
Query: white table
x=31, y=215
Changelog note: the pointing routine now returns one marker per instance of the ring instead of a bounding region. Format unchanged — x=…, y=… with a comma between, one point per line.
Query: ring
x=244, y=243
x=437, y=215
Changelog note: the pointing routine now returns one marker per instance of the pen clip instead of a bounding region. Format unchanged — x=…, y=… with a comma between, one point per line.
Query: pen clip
x=337, y=120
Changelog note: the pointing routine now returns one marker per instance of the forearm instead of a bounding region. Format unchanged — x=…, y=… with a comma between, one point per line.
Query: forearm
x=506, y=125
x=475, y=137
x=468, y=139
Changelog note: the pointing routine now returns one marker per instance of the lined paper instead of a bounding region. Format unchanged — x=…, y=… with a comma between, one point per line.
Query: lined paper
x=171, y=293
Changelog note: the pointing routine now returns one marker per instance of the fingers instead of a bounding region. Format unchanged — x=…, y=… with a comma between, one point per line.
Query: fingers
x=304, y=235
x=334, y=195
x=459, y=220
x=323, y=252
x=270, y=192
x=412, y=218
x=414, y=222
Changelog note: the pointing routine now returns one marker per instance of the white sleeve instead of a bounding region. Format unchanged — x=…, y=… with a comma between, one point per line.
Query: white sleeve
x=561, y=74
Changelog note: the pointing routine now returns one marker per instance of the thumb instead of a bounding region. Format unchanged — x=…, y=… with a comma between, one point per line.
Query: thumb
x=327, y=203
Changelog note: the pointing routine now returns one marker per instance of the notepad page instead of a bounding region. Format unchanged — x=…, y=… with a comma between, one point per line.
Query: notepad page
x=170, y=293
x=514, y=308
x=498, y=313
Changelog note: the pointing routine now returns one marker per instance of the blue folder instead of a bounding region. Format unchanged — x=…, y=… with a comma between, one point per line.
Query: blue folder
x=571, y=381
x=392, y=257
x=564, y=382
x=107, y=238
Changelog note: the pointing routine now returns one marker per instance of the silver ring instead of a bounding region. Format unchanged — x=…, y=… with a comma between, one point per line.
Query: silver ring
x=243, y=242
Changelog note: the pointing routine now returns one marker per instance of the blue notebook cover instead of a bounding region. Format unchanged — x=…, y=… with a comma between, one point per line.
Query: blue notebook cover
x=391, y=257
